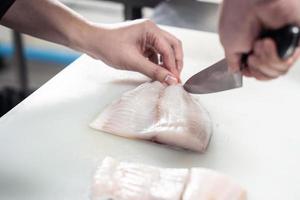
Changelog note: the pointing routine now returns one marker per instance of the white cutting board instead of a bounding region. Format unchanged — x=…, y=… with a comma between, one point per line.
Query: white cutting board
x=48, y=151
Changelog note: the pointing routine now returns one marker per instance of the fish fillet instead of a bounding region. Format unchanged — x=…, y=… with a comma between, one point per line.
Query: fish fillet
x=130, y=181
x=207, y=184
x=164, y=114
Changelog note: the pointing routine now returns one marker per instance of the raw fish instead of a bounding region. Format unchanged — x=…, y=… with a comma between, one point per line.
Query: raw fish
x=210, y=185
x=164, y=114
x=130, y=181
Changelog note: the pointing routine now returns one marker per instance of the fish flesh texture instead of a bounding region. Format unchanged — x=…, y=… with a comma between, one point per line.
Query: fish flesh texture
x=207, y=184
x=160, y=113
x=128, y=181
x=116, y=180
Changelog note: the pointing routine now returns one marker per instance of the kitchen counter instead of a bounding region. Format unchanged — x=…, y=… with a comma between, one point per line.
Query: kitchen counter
x=48, y=151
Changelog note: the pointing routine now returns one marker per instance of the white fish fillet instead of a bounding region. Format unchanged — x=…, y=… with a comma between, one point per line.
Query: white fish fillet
x=130, y=181
x=152, y=111
x=209, y=185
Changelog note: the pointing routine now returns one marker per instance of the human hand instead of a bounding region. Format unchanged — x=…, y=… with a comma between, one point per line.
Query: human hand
x=135, y=46
x=241, y=23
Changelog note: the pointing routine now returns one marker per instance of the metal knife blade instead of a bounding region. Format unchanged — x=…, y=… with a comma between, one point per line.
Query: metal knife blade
x=213, y=79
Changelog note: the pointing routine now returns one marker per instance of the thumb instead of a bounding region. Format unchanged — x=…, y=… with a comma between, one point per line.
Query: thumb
x=233, y=62
x=156, y=72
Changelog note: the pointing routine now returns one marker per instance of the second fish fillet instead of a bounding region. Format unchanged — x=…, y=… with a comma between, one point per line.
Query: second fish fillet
x=116, y=180
x=130, y=181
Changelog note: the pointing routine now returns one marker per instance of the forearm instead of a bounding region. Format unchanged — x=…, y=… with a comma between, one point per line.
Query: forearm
x=129, y=46
x=47, y=19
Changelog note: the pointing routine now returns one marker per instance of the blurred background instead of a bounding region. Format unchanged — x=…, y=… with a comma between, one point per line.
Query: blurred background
x=26, y=62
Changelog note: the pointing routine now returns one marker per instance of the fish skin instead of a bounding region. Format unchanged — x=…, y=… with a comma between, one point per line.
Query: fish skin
x=160, y=113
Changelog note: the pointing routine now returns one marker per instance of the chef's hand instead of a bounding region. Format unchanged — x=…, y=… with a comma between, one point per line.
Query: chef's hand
x=129, y=46
x=240, y=24
x=135, y=46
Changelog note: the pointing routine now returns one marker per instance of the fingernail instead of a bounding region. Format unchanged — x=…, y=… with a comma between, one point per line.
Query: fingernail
x=170, y=80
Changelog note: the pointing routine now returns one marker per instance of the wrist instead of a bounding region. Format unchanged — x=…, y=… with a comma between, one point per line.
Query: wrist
x=89, y=38
x=76, y=34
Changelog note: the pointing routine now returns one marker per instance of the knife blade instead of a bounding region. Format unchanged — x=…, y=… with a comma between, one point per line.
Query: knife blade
x=217, y=78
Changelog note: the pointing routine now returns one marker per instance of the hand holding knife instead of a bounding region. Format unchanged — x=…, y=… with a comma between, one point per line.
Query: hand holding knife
x=217, y=77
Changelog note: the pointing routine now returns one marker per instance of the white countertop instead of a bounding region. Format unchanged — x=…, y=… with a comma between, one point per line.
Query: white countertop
x=48, y=151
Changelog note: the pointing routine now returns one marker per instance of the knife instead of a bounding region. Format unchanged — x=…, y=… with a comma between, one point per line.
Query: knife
x=217, y=78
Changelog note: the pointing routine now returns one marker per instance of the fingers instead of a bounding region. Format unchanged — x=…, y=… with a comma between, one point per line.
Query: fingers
x=168, y=46
x=265, y=64
x=238, y=31
x=233, y=62
x=154, y=71
x=275, y=14
x=163, y=47
x=152, y=56
x=176, y=45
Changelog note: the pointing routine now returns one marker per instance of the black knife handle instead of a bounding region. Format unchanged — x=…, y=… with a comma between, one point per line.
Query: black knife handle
x=285, y=38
